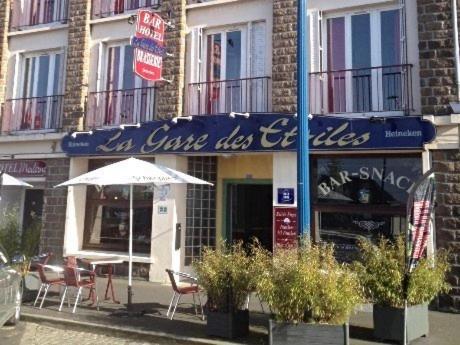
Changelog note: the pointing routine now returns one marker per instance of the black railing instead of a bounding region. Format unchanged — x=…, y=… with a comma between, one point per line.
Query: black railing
x=364, y=90
x=32, y=114
x=224, y=96
x=108, y=8
x=118, y=107
x=27, y=13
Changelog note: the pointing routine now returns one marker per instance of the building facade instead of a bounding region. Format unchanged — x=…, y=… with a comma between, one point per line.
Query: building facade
x=227, y=114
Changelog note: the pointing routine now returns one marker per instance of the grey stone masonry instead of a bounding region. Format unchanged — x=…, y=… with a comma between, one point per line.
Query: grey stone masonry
x=171, y=95
x=77, y=66
x=446, y=164
x=4, y=20
x=436, y=46
x=284, y=76
x=54, y=206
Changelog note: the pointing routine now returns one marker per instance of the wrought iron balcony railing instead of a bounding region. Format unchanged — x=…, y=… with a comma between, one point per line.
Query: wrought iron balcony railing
x=364, y=90
x=32, y=114
x=118, y=107
x=28, y=13
x=108, y=8
x=224, y=96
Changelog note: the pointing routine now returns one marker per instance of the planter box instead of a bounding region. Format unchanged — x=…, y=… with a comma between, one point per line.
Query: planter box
x=389, y=322
x=301, y=334
x=228, y=325
x=31, y=283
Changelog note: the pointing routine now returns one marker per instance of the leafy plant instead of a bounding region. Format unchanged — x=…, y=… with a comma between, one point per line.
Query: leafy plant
x=227, y=274
x=16, y=242
x=382, y=273
x=307, y=285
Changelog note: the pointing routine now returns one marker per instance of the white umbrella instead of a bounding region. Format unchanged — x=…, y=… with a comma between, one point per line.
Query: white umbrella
x=132, y=172
x=8, y=180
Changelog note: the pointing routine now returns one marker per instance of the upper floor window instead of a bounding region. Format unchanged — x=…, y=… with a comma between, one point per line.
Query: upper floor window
x=26, y=13
x=364, y=60
x=108, y=8
x=231, y=73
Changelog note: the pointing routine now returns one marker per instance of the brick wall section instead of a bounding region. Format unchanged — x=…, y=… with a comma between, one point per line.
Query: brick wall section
x=4, y=22
x=437, y=62
x=54, y=207
x=77, y=65
x=447, y=166
x=284, y=76
x=170, y=95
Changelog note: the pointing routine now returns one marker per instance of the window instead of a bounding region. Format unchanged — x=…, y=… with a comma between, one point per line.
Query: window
x=107, y=216
x=361, y=197
x=25, y=13
x=364, y=62
x=107, y=8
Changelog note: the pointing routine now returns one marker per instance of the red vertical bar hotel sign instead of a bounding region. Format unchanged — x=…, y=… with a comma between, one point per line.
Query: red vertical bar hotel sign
x=149, y=45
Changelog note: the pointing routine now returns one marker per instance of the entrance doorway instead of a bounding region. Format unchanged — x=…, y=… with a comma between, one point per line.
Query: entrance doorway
x=33, y=207
x=249, y=212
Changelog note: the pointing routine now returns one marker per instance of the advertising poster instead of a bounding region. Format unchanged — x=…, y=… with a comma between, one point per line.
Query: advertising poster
x=285, y=223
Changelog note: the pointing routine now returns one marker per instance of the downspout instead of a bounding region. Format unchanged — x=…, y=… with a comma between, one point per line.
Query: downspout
x=456, y=45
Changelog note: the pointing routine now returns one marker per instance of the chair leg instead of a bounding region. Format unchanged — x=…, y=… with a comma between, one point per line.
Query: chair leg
x=97, y=297
x=170, y=304
x=38, y=294
x=76, y=300
x=201, y=306
x=177, y=302
x=44, y=295
x=63, y=298
x=194, y=304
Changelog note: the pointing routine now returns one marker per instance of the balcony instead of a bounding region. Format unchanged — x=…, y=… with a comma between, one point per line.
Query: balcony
x=119, y=107
x=385, y=89
x=34, y=114
x=249, y=95
x=29, y=13
x=109, y=8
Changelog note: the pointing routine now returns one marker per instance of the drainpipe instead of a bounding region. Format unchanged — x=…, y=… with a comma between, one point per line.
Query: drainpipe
x=457, y=49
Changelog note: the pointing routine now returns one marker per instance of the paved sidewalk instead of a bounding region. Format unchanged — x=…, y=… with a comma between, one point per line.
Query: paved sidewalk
x=151, y=302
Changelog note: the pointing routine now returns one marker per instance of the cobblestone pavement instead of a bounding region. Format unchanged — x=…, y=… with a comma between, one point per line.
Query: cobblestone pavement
x=30, y=333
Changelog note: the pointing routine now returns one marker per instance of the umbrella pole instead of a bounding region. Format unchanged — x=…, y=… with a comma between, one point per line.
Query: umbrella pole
x=130, y=262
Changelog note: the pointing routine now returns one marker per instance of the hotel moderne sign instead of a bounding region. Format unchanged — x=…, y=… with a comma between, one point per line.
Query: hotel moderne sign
x=257, y=133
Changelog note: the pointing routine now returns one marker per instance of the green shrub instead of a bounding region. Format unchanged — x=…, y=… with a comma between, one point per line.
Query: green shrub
x=307, y=285
x=227, y=274
x=382, y=272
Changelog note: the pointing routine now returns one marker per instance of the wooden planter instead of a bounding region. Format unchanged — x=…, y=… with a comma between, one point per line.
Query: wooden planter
x=389, y=322
x=228, y=325
x=301, y=334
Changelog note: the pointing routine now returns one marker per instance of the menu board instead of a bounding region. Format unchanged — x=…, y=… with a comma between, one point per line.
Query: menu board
x=285, y=223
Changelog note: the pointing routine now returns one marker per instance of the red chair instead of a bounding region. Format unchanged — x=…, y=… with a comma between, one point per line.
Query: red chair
x=187, y=290
x=46, y=283
x=72, y=279
x=40, y=259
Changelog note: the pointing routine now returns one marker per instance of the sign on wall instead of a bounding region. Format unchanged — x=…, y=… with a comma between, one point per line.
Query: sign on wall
x=285, y=223
x=286, y=196
x=148, y=45
x=24, y=168
x=258, y=133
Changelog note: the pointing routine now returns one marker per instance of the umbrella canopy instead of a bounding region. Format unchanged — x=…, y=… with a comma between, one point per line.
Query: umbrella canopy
x=132, y=171
x=8, y=180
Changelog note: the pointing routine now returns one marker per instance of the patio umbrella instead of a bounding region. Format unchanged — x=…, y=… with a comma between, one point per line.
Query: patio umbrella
x=132, y=172
x=8, y=180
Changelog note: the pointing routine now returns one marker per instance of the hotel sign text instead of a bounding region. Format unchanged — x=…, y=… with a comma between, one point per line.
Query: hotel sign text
x=259, y=132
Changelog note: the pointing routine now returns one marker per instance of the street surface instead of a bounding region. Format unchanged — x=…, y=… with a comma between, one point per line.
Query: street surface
x=30, y=333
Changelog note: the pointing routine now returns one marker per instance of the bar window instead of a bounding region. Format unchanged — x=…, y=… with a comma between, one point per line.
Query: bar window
x=107, y=216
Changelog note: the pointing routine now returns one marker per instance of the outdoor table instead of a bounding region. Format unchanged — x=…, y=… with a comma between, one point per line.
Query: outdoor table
x=105, y=262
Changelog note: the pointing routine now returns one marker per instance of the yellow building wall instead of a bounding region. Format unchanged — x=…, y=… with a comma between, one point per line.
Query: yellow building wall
x=239, y=167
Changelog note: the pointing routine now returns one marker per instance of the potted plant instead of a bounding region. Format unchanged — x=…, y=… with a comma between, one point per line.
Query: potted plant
x=310, y=293
x=227, y=275
x=382, y=274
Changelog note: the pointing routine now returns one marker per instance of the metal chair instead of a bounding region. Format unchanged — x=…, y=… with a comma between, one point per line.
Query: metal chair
x=72, y=279
x=187, y=290
x=46, y=282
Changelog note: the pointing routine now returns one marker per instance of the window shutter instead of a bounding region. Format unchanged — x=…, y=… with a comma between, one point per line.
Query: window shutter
x=314, y=23
x=101, y=61
x=258, y=47
x=196, y=57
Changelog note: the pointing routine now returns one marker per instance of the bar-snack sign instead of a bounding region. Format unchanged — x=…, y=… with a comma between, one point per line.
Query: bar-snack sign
x=149, y=45
x=285, y=234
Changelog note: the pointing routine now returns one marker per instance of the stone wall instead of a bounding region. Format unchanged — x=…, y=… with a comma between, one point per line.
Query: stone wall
x=284, y=76
x=437, y=62
x=446, y=164
x=171, y=95
x=4, y=22
x=54, y=206
x=77, y=65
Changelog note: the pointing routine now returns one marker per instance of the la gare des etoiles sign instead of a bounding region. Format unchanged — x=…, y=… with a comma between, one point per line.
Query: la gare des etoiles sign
x=258, y=133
